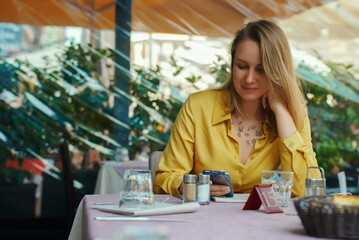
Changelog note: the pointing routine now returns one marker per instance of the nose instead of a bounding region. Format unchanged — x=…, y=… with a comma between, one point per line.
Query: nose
x=250, y=78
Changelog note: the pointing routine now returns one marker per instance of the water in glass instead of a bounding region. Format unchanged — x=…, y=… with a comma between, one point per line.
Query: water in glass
x=282, y=183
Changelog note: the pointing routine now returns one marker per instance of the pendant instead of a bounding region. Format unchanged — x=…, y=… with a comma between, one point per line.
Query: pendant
x=251, y=141
x=259, y=133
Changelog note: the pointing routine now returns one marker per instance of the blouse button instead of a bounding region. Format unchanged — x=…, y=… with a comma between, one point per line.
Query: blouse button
x=290, y=145
x=240, y=171
x=251, y=157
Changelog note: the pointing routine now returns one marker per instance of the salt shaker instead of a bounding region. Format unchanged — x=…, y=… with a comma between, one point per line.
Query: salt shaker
x=189, y=188
x=315, y=186
x=203, y=189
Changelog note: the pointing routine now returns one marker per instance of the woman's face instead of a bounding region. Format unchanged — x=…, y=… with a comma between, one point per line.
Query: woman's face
x=249, y=78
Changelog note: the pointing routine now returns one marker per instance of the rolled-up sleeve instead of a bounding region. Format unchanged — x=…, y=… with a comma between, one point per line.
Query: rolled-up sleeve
x=297, y=155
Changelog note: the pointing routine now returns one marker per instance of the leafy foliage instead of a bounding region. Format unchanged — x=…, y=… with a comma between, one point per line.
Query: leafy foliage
x=40, y=107
x=153, y=112
x=64, y=100
x=334, y=120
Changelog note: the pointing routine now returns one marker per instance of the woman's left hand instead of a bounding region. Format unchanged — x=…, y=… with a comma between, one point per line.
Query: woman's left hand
x=274, y=101
x=285, y=123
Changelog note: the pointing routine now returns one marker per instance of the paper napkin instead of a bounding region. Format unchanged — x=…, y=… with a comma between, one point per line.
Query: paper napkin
x=238, y=197
x=158, y=209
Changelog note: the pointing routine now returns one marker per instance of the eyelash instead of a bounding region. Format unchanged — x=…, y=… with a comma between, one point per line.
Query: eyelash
x=260, y=70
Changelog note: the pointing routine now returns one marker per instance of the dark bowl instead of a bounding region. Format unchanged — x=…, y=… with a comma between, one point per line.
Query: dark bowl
x=321, y=218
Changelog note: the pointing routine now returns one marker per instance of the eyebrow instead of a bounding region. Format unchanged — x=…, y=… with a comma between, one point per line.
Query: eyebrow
x=238, y=59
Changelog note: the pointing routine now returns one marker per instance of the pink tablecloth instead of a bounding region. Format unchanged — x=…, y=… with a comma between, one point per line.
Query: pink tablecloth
x=136, y=164
x=215, y=221
x=110, y=176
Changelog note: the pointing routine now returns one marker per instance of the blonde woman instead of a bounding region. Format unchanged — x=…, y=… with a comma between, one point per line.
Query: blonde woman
x=256, y=121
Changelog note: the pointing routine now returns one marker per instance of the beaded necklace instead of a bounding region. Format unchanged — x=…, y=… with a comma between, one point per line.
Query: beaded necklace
x=250, y=130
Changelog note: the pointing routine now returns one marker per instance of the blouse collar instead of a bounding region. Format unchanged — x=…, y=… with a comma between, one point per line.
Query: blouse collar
x=221, y=108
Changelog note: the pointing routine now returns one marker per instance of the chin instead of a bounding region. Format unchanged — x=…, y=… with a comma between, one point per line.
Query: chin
x=250, y=98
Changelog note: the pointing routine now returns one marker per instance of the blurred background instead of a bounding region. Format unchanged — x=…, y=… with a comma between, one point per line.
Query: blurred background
x=109, y=77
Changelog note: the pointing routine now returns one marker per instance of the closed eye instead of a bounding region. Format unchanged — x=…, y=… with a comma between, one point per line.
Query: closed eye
x=260, y=70
x=242, y=66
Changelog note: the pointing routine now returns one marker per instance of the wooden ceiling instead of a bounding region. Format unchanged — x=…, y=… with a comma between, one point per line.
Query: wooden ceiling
x=199, y=17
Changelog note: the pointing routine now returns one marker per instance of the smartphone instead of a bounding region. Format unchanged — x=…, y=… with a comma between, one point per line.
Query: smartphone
x=220, y=178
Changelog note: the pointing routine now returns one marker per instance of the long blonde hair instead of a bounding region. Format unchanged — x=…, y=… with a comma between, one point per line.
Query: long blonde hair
x=277, y=64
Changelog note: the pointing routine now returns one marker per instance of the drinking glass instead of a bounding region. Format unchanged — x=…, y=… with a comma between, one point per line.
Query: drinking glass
x=282, y=183
x=136, y=190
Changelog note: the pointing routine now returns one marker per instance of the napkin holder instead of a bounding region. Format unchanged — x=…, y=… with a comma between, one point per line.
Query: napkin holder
x=315, y=186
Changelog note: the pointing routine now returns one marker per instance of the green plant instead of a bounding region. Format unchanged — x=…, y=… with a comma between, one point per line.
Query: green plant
x=66, y=100
x=333, y=139
x=39, y=107
x=334, y=118
x=153, y=111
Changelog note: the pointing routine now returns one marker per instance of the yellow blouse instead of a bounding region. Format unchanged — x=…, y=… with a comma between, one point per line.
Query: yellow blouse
x=202, y=138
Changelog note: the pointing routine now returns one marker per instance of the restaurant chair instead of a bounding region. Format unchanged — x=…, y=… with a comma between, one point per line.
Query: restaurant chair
x=46, y=226
x=153, y=163
x=68, y=182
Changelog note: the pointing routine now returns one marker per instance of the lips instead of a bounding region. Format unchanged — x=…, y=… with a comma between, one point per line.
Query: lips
x=247, y=89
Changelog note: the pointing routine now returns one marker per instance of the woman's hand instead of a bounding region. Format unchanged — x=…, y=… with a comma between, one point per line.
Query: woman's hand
x=180, y=188
x=274, y=101
x=218, y=190
x=285, y=123
x=215, y=190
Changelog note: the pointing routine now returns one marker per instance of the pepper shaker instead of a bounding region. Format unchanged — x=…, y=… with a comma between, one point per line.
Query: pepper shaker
x=189, y=188
x=203, y=189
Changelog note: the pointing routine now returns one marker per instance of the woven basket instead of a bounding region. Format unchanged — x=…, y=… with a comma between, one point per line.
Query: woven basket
x=321, y=218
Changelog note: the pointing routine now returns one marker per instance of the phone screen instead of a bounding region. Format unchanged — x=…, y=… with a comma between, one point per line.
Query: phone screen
x=220, y=178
